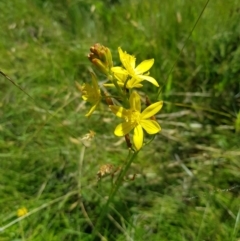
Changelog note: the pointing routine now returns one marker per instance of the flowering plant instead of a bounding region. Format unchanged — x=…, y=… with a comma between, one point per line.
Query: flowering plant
x=126, y=79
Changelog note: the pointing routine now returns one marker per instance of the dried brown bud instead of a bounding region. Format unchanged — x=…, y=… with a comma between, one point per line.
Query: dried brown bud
x=108, y=99
x=148, y=102
x=107, y=169
x=128, y=141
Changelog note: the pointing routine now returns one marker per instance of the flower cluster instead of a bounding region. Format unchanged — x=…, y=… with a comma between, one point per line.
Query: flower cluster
x=126, y=79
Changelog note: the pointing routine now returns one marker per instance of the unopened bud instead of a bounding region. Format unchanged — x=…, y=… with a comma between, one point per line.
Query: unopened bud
x=101, y=57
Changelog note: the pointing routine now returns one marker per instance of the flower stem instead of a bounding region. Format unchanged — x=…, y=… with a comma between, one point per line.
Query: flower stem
x=115, y=190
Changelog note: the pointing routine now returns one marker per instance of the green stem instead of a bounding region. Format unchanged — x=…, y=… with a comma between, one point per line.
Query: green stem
x=114, y=190
x=122, y=174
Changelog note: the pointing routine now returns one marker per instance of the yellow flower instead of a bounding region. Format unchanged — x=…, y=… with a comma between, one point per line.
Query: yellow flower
x=124, y=81
x=91, y=93
x=137, y=74
x=22, y=212
x=137, y=120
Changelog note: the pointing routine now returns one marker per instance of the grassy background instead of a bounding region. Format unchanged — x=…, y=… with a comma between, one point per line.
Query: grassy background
x=188, y=181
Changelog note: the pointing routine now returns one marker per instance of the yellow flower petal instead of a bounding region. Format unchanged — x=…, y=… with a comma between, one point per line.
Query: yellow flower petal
x=152, y=110
x=135, y=101
x=119, y=70
x=133, y=83
x=123, y=129
x=128, y=61
x=144, y=66
x=149, y=79
x=121, y=54
x=138, y=137
x=131, y=61
x=150, y=126
x=118, y=111
x=92, y=110
x=121, y=77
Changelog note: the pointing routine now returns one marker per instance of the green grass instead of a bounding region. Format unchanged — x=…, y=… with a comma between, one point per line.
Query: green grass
x=188, y=179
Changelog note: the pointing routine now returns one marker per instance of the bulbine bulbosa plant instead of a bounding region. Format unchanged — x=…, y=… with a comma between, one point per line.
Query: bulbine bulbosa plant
x=123, y=84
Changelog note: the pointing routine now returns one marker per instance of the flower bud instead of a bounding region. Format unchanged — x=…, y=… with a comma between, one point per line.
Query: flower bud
x=101, y=57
